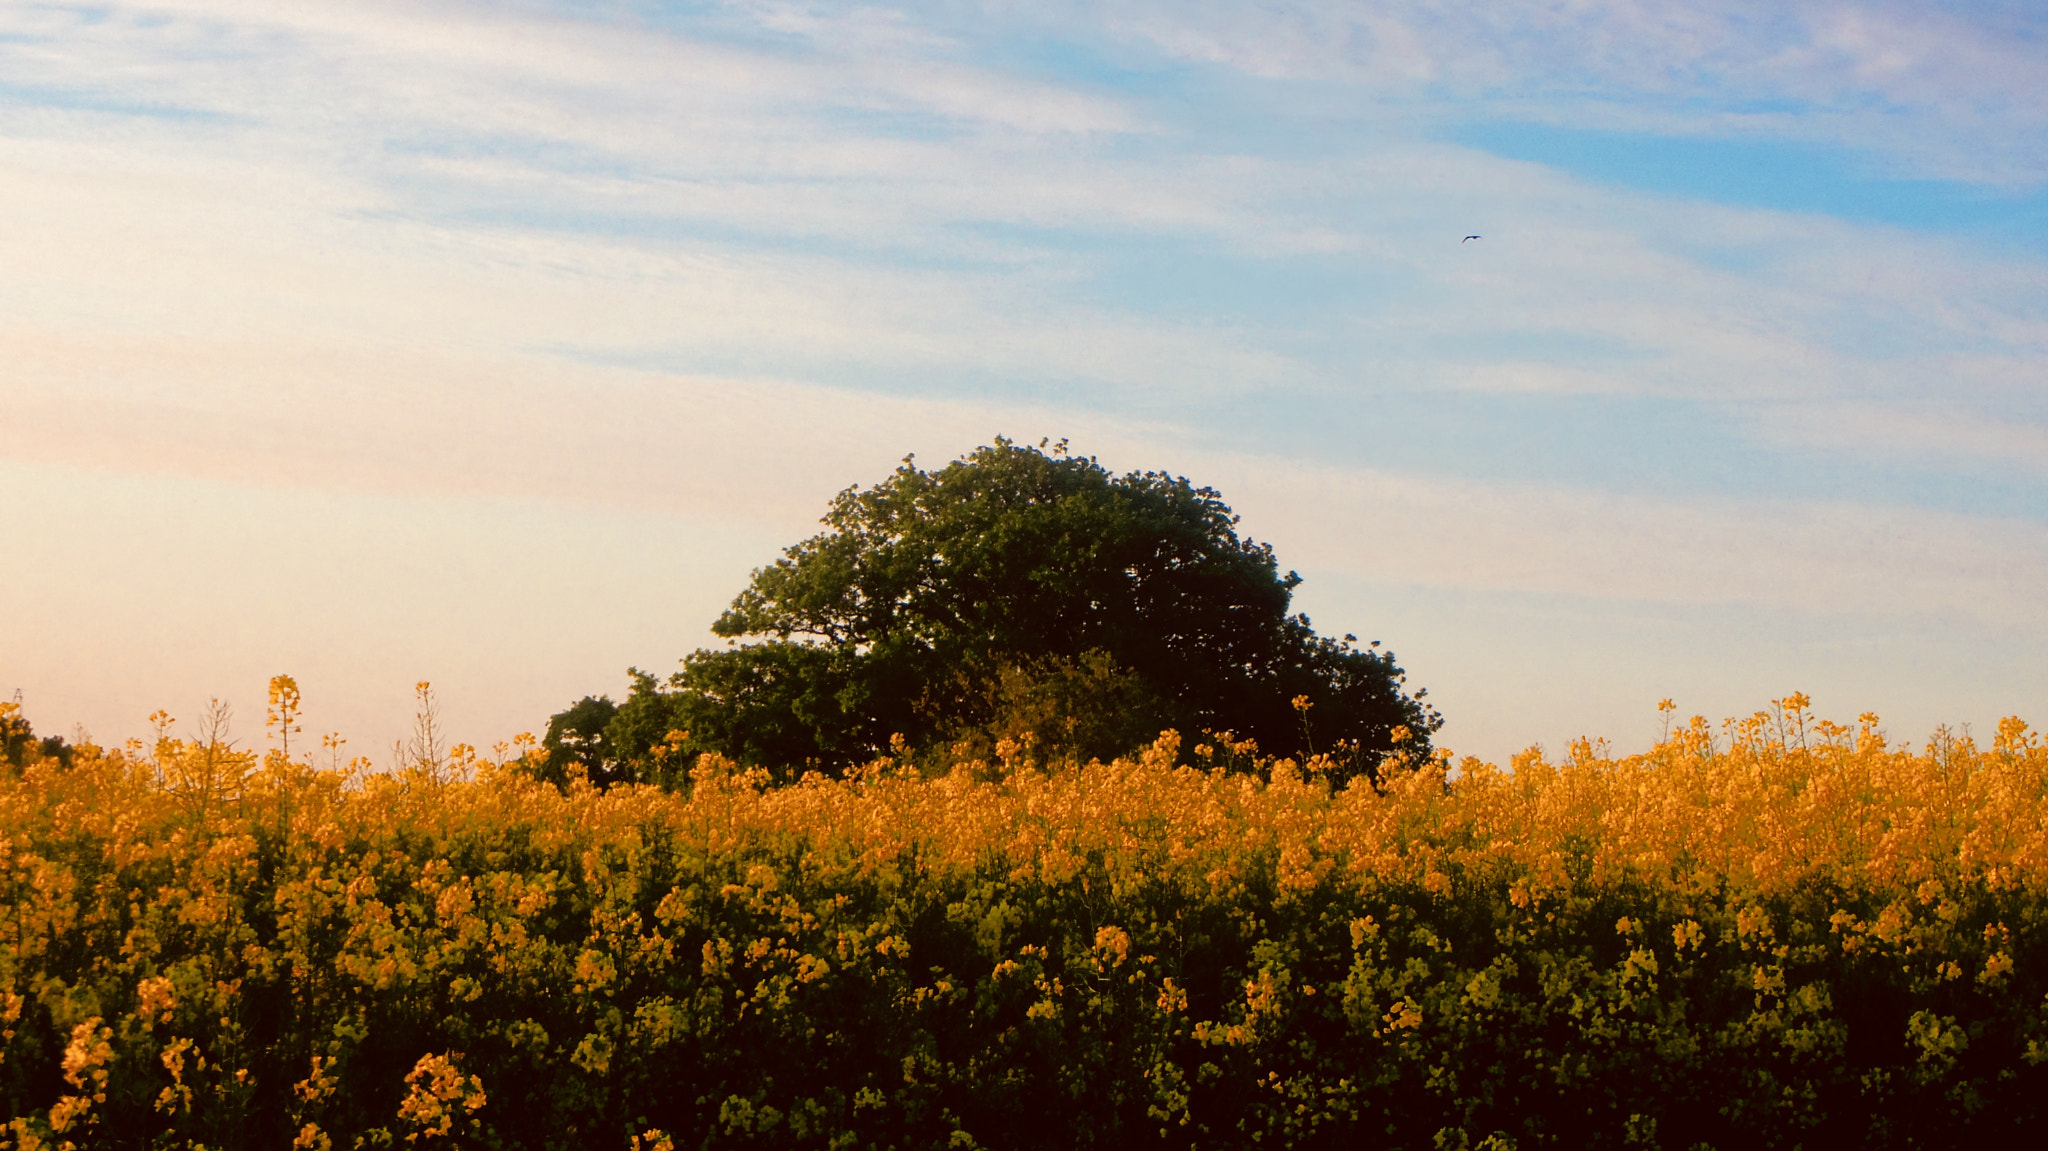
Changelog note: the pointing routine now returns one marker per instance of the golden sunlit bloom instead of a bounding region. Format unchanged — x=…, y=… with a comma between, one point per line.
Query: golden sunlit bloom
x=608, y=934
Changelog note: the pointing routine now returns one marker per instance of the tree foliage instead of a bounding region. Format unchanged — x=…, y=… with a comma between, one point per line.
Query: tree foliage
x=1014, y=594
x=19, y=746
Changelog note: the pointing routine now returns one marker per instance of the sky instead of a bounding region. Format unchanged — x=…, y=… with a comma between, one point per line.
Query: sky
x=494, y=345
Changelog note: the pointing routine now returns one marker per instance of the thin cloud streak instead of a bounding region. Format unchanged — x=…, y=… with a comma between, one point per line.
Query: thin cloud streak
x=1934, y=92
x=1814, y=557
x=614, y=438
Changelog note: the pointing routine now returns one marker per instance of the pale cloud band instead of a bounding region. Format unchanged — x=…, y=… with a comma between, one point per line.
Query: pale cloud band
x=772, y=451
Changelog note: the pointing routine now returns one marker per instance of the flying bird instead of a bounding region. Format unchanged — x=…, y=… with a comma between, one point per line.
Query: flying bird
x=1472, y=238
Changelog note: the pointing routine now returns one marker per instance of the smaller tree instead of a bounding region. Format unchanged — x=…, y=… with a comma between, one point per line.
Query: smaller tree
x=575, y=739
x=19, y=746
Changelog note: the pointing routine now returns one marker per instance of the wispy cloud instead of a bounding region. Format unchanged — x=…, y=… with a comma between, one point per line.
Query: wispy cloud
x=1808, y=556
x=769, y=451
x=867, y=189
x=1955, y=93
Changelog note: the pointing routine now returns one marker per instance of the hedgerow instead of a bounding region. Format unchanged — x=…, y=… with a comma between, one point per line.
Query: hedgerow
x=1781, y=933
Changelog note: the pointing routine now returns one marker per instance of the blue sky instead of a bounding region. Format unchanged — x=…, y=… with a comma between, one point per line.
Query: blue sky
x=493, y=344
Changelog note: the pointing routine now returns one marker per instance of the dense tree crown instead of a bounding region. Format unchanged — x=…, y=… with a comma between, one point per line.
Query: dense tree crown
x=18, y=743
x=1014, y=590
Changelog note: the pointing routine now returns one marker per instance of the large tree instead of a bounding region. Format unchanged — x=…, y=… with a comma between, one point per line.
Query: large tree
x=1015, y=589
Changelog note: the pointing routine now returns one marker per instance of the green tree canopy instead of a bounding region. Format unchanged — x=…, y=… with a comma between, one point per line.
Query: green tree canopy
x=1016, y=590
x=19, y=746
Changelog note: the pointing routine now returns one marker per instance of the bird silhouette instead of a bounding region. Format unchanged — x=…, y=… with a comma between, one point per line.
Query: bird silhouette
x=1472, y=238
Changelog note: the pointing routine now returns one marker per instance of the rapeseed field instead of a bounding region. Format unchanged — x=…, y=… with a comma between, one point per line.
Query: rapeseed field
x=1774, y=932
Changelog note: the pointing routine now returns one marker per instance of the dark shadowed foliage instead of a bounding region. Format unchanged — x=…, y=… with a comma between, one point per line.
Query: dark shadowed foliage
x=1014, y=594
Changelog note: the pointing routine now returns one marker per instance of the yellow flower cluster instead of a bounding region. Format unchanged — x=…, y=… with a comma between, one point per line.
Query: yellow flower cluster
x=1776, y=930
